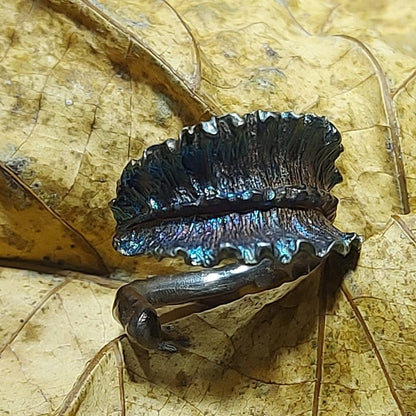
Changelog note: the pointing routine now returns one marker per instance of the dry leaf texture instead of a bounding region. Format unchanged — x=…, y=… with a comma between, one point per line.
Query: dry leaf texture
x=85, y=86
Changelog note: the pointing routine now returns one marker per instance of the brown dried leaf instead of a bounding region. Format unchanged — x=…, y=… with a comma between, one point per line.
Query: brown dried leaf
x=85, y=86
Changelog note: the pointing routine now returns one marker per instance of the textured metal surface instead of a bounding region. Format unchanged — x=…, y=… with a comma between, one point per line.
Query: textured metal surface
x=222, y=283
x=247, y=187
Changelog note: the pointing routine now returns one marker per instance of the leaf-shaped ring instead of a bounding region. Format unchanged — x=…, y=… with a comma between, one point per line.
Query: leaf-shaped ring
x=255, y=188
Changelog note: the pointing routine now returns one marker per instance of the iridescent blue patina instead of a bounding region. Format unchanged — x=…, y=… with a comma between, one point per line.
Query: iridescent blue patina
x=256, y=188
x=247, y=187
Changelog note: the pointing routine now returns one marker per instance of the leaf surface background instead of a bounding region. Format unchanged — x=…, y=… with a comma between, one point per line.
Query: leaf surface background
x=84, y=87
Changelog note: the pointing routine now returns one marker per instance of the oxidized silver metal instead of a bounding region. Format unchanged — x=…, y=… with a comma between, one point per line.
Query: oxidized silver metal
x=255, y=188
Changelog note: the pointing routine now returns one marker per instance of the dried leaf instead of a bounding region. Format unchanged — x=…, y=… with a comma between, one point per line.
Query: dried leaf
x=84, y=87
x=33, y=234
x=50, y=327
x=356, y=358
